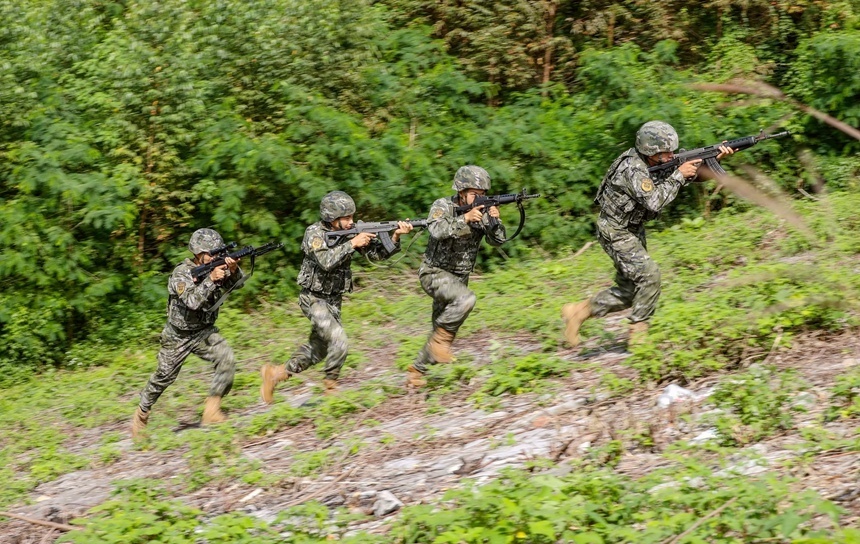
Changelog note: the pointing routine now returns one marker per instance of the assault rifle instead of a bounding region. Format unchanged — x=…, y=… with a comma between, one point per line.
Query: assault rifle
x=203, y=270
x=498, y=200
x=382, y=230
x=709, y=154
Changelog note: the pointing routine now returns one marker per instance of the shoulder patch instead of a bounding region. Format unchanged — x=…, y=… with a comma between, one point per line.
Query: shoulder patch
x=647, y=185
x=180, y=287
x=316, y=242
x=437, y=213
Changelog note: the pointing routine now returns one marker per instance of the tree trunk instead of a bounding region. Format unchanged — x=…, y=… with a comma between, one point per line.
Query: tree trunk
x=551, y=10
x=610, y=37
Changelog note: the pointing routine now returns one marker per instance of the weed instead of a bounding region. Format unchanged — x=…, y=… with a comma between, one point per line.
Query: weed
x=756, y=404
x=845, y=397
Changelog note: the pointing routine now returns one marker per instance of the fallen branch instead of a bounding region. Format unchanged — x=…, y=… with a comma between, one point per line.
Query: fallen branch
x=675, y=540
x=43, y=523
x=320, y=491
x=582, y=250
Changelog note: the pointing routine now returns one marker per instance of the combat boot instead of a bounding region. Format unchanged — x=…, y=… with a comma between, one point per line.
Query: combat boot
x=272, y=375
x=330, y=387
x=574, y=316
x=439, y=345
x=414, y=377
x=138, y=422
x=212, y=411
x=638, y=333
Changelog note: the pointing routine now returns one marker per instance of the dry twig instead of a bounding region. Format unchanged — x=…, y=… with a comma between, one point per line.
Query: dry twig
x=43, y=523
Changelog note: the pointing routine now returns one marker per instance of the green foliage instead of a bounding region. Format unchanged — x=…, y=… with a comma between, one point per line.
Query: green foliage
x=520, y=374
x=240, y=117
x=137, y=516
x=597, y=505
x=211, y=452
x=845, y=397
x=756, y=404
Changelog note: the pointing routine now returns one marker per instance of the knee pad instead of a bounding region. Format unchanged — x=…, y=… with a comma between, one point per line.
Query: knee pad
x=469, y=301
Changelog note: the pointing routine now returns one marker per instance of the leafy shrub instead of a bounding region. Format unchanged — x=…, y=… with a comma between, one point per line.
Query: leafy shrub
x=757, y=403
x=845, y=397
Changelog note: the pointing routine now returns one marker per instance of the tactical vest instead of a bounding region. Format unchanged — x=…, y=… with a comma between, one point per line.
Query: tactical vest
x=614, y=202
x=456, y=254
x=336, y=281
x=184, y=318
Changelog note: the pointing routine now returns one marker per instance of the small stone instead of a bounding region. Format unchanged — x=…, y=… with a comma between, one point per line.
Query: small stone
x=251, y=495
x=710, y=434
x=385, y=504
x=541, y=421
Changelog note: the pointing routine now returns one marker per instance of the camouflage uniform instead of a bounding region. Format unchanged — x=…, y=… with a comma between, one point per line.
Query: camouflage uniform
x=325, y=276
x=191, y=328
x=628, y=197
x=450, y=258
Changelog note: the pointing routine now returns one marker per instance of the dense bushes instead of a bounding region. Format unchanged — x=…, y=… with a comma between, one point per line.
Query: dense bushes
x=125, y=126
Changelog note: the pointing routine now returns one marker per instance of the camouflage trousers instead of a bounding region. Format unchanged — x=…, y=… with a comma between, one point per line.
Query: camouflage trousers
x=328, y=339
x=176, y=346
x=637, y=277
x=452, y=303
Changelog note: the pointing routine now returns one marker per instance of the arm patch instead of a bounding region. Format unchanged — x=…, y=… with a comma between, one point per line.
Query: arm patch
x=647, y=185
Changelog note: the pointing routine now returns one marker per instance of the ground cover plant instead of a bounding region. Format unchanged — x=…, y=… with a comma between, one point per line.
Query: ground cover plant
x=68, y=420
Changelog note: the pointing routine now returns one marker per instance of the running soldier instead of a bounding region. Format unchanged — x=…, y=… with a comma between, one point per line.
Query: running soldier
x=628, y=197
x=448, y=261
x=324, y=277
x=191, y=329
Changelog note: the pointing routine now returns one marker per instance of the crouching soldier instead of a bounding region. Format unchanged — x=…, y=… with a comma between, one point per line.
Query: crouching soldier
x=449, y=259
x=324, y=277
x=191, y=329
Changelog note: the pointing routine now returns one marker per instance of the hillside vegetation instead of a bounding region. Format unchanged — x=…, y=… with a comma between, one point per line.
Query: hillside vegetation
x=762, y=317
x=124, y=126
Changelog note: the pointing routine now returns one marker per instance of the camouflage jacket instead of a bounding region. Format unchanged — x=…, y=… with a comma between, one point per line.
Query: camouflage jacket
x=326, y=270
x=629, y=195
x=454, y=243
x=188, y=302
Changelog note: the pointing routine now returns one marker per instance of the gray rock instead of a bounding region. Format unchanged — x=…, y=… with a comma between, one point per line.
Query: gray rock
x=701, y=438
x=386, y=503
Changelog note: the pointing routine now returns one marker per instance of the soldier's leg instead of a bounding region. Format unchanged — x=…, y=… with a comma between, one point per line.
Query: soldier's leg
x=327, y=322
x=452, y=304
x=621, y=249
x=456, y=300
x=214, y=348
x=316, y=348
x=423, y=359
x=175, y=348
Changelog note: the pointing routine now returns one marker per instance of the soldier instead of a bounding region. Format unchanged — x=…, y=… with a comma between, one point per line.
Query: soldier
x=324, y=277
x=191, y=329
x=628, y=197
x=448, y=261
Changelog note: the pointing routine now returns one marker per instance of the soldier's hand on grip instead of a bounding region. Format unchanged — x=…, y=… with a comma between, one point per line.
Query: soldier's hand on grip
x=493, y=211
x=362, y=239
x=218, y=274
x=690, y=169
x=474, y=215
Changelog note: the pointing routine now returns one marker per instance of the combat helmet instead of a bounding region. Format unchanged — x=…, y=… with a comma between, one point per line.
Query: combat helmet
x=336, y=204
x=204, y=240
x=656, y=137
x=471, y=177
